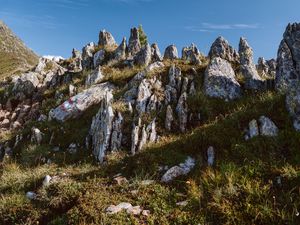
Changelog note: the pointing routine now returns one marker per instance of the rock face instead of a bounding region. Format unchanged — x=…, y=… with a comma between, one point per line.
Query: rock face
x=288, y=59
x=169, y=118
x=134, y=45
x=248, y=68
x=94, y=77
x=99, y=58
x=191, y=54
x=155, y=53
x=221, y=48
x=220, y=80
x=79, y=103
x=88, y=56
x=106, y=39
x=171, y=52
x=75, y=65
x=293, y=105
x=105, y=133
x=143, y=57
x=120, y=52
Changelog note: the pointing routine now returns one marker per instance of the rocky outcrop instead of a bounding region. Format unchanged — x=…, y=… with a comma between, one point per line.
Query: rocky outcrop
x=191, y=54
x=106, y=40
x=94, y=77
x=155, y=53
x=106, y=130
x=75, y=65
x=288, y=59
x=79, y=103
x=220, y=80
x=171, y=53
x=221, y=48
x=134, y=45
x=266, y=68
x=143, y=57
x=99, y=58
x=88, y=56
x=120, y=52
x=248, y=68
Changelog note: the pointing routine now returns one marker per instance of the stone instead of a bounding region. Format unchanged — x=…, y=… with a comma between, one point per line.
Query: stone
x=146, y=213
x=72, y=90
x=143, y=95
x=99, y=58
x=134, y=45
x=46, y=181
x=75, y=65
x=36, y=136
x=191, y=54
x=183, y=203
x=120, y=52
x=112, y=209
x=210, y=156
x=266, y=68
x=26, y=84
x=220, y=81
x=88, y=56
x=72, y=149
x=293, y=105
x=221, y=48
x=120, y=180
x=253, y=129
x=171, y=53
x=135, y=210
x=143, y=57
x=106, y=39
x=116, y=136
x=79, y=103
x=288, y=59
x=267, y=127
x=247, y=67
x=95, y=77
x=135, y=136
x=176, y=171
x=31, y=195
x=5, y=123
x=155, y=53
x=169, y=118
x=182, y=112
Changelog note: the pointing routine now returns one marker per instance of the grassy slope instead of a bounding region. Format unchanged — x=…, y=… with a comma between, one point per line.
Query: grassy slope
x=240, y=189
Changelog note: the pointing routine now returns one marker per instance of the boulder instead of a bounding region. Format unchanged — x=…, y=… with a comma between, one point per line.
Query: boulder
x=75, y=65
x=155, y=53
x=99, y=58
x=210, y=156
x=248, y=68
x=182, y=112
x=88, y=56
x=120, y=52
x=36, y=136
x=94, y=77
x=221, y=48
x=171, y=53
x=106, y=39
x=134, y=45
x=79, y=103
x=267, y=127
x=288, y=59
x=169, y=118
x=143, y=57
x=220, y=80
x=191, y=54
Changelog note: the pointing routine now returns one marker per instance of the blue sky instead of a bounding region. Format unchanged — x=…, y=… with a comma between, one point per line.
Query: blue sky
x=54, y=27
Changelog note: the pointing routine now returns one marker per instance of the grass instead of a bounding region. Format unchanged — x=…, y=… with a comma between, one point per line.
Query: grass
x=241, y=188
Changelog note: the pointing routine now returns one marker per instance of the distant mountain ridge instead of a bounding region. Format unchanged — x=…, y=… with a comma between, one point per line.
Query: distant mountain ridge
x=15, y=56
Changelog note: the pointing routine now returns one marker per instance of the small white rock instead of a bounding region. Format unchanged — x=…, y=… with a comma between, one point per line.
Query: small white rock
x=47, y=180
x=31, y=195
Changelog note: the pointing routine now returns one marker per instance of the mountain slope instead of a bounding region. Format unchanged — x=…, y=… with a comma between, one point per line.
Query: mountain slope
x=15, y=57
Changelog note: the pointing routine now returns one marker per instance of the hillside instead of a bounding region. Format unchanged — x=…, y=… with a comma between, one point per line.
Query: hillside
x=122, y=134
x=15, y=57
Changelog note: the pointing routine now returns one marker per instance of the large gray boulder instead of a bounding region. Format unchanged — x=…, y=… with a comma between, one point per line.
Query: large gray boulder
x=106, y=39
x=288, y=59
x=143, y=57
x=220, y=80
x=171, y=52
x=221, y=48
x=79, y=103
x=248, y=68
x=120, y=52
x=134, y=45
x=94, y=77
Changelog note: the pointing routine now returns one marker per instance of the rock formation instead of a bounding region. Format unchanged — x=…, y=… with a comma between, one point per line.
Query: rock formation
x=171, y=52
x=106, y=39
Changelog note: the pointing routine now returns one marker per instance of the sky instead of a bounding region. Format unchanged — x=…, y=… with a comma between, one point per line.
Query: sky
x=55, y=27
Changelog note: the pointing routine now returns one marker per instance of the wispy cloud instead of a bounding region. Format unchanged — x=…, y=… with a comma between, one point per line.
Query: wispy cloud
x=67, y=4
x=211, y=27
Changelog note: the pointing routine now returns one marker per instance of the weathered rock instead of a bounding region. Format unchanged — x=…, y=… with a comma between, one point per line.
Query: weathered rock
x=191, y=54
x=106, y=39
x=182, y=112
x=169, y=118
x=94, y=77
x=134, y=45
x=37, y=136
x=171, y=52
x=143, y=95
x=31, y=195
x=99, y=58
x=88, y=56
x=75, y=65
x=73, y=148
x=248, y=68
x=115, y=209
x=116, y=136
x=72, y=90
x=77, y=104
x=143, y=57
x=288, y=59
x=221, y=48
x=155, y=53
x=176, y=171
x=266, y=68
x=210, y=156
x=293, y=105
x=46, y=181
x=135, y=210
x=120, y=52
x=267, y=127
x=253, y=129
x=26, y=83
x=220, y=80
